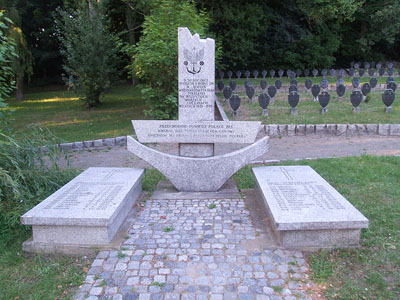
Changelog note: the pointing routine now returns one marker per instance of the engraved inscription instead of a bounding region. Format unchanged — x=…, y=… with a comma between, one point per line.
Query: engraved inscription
x=195, y=132
x=303, y=195
x=86, y=196
x=195, y=93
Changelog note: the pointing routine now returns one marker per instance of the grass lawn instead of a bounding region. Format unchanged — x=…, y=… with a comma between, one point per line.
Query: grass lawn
x=67, y=117
x=371, y=184
x=38, y=277
x=309, y=111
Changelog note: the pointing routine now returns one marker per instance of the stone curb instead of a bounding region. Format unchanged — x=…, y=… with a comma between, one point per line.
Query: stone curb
x=273, y=130
x=277, y=161
x=278, y=130
x=100, y=143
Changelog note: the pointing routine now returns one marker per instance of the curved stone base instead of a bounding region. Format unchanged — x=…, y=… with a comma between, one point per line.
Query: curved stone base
x=206, y=174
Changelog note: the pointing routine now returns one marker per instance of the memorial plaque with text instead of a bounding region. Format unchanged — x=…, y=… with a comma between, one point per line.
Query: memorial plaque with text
x=91, y=198
x=196, y=132
x=298, y=197
x=196, y=77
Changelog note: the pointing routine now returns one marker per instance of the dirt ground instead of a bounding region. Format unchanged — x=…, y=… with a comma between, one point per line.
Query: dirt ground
x=286, y=148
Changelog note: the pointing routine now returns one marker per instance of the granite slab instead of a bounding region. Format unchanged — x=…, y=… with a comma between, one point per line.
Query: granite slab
x=306, y=211
x=88, y=210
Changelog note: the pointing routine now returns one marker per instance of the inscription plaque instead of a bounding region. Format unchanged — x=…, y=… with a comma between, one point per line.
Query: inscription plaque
x=196, y=132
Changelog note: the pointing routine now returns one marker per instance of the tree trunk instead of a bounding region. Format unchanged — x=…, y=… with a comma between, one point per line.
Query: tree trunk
x=97, y=99
x=19, y=87
x=130, y=23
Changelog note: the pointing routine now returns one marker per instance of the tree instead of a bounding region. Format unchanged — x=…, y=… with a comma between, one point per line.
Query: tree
x=7, y=55
x=156, y=54
x=89, y=49
x=22, y=62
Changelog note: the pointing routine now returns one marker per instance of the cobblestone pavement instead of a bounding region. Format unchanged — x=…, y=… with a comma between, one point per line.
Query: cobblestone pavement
x=195, y=249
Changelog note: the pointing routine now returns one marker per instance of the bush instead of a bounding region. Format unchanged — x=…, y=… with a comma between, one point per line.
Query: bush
x=89, y=49
x=27, y=174
x=156, y=54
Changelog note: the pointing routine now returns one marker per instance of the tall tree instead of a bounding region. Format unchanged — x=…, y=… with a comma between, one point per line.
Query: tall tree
x=90, y=51
x=22, y=63
x=7, y=55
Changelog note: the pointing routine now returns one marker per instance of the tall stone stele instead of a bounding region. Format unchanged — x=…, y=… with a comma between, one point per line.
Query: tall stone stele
x=196, y=84
x=196, y=168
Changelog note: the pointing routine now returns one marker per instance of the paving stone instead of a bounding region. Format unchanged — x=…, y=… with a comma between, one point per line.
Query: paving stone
x=202, y=259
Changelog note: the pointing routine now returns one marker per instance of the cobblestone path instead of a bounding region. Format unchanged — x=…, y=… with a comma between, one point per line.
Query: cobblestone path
x=195, y=249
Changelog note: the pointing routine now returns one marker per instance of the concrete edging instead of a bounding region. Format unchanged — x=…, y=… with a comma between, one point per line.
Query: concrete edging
x=277, y=130
x=273, y=130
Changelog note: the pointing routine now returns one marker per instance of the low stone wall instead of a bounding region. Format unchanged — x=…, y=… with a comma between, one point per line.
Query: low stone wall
x=273, y=130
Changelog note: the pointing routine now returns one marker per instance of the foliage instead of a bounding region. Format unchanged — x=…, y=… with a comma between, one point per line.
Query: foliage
x=7, y=54
x=373, y=34
x=89, y=49
x=156, y=54
x=327, y=10
x=271, y=35
x=27, y=174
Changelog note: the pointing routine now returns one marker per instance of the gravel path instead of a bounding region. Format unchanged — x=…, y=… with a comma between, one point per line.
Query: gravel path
x=281, y=149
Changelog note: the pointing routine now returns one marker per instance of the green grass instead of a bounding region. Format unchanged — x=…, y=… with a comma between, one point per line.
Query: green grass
x=168, y=229
x=309, y=111
x=372, y=184
x=68, y=118
x=37, y=277
x=159, y=284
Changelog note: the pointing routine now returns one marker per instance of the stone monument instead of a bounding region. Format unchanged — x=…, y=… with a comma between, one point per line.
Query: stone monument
x=196, y=169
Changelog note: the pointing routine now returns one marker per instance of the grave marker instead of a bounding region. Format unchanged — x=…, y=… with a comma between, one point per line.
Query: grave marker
x=388, y=97
x=305, y=210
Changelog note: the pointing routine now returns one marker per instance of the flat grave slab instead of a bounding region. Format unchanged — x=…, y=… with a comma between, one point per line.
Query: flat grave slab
x=305, y=210
x=86, y=212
